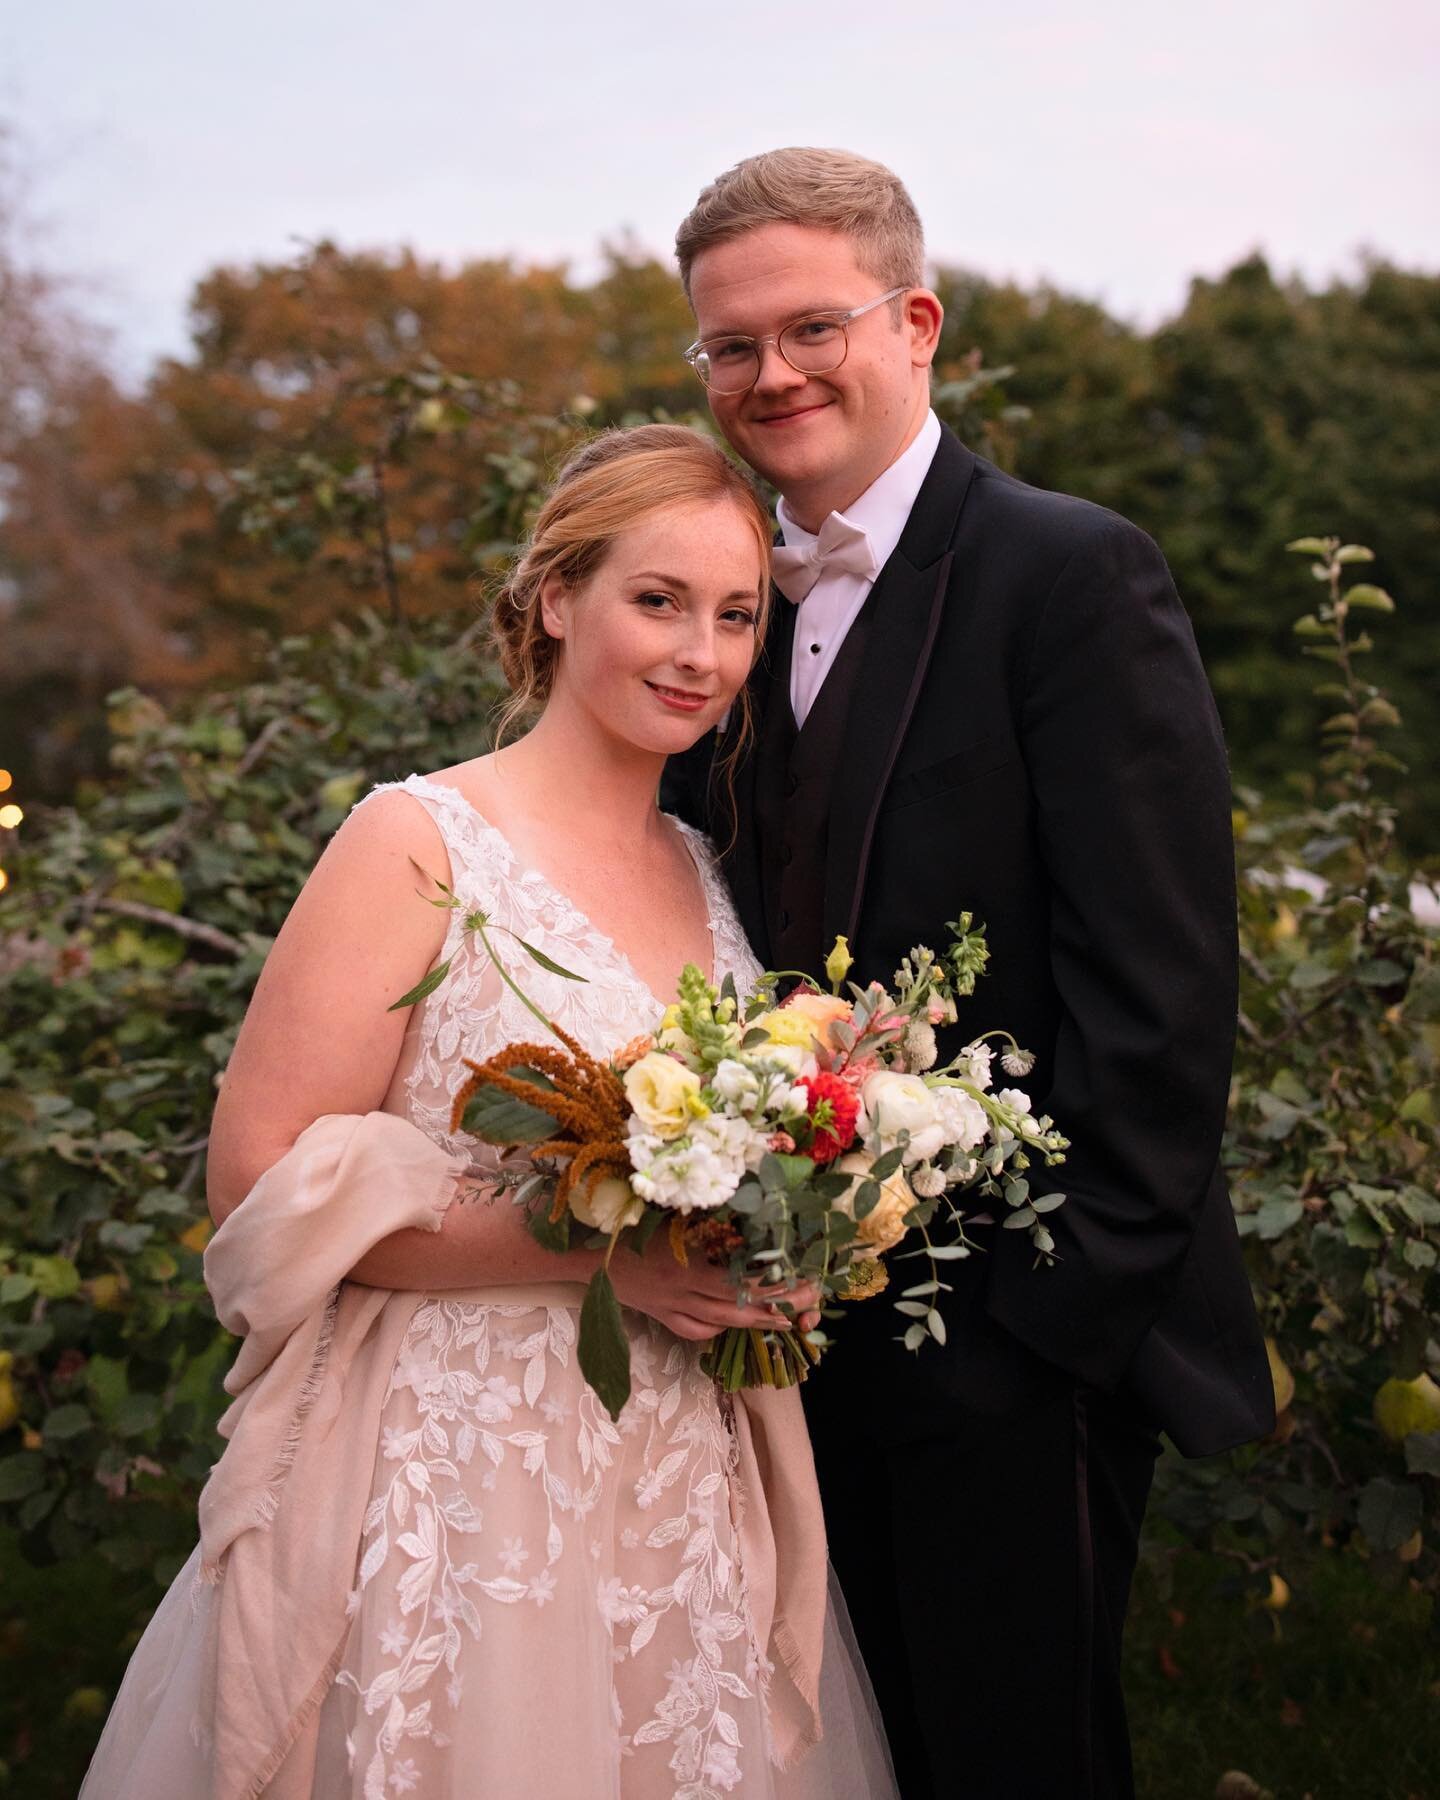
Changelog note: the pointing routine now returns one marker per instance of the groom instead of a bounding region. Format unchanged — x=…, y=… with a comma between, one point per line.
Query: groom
x=984, y=697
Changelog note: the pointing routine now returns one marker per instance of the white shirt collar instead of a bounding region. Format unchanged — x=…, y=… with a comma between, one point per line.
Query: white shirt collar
x=882, y=510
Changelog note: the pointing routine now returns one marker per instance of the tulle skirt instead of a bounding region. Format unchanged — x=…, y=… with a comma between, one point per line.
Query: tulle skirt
x=547, y=1604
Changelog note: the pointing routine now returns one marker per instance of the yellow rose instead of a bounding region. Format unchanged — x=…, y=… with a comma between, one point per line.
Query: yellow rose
x=883, y=1228
x=661, y=1091
x=608, y=1205
x=807, y=1022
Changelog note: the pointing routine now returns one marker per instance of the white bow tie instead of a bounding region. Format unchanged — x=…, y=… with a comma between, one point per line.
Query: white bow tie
x=840, y=546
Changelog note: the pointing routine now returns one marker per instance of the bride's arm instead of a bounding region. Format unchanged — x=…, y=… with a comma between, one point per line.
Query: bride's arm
x=317, y=1038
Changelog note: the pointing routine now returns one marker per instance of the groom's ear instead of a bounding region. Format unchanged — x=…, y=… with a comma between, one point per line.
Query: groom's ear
x=924, y=315
x=552, y=592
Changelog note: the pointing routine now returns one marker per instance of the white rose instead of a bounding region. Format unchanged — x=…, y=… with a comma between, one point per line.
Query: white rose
x=609, y=1204
x=893, y=1103
x=883, y=1228
x=660, y=1090
x=962, y=1118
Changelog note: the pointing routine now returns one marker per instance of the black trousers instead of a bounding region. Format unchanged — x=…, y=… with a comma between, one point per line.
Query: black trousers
x=987, y=1574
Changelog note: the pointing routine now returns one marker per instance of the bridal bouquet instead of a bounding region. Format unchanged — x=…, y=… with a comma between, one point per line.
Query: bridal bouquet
x=795, y=1140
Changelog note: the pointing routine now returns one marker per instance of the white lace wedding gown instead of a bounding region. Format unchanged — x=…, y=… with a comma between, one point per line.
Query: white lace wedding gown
x=547, y=1605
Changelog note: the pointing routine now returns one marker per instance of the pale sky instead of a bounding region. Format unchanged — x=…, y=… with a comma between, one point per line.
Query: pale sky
x=1115, y=148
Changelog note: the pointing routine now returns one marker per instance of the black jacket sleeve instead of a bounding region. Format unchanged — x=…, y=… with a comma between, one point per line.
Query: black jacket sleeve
x=1131, y=791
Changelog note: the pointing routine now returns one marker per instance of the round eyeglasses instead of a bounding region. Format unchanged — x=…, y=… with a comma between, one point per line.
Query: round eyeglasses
x=813, y=345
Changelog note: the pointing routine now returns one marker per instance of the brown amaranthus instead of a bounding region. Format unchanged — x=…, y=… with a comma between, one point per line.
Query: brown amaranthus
x=588, y=1103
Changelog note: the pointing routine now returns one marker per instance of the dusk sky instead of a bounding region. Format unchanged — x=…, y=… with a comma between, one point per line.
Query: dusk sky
x=1115, y=150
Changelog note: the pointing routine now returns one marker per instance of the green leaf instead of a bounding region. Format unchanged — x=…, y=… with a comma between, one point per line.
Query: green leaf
x=14, y=1288
x=867, y=1198
x=21, y=1475
x=604, y=1350
x=550, y=1235
x=1371, y=599
x=1419, y=1254
x=1310, y=546
x=427, y=986
x=55, y=1277
x=1311, y=627
x=1275, y=1217
x=136, y=1413
x=1422, y=1453
x=68, y=1421
x=1389, y=1512
x=1354, y=553
x=523, y=1072
x=885, y=1166
x=549, y=963
x=498, y=1119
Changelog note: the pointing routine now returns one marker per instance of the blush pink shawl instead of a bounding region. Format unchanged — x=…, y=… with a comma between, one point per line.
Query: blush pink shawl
x=280, y=1517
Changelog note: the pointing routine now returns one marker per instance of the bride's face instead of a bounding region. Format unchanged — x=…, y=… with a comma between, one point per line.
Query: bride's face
x=658, y=641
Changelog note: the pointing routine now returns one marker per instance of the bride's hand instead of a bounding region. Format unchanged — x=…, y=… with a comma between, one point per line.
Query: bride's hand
x=699, y=1301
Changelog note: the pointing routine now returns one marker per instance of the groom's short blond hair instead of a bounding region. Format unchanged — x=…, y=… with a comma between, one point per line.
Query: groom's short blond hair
x=833, y=190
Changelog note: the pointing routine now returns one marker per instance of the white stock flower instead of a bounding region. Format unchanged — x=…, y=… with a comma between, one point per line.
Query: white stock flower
x=974, y=1064
x=1016, y=1099
x=892, y=1103
x=698, y=1171
x=919, y=1045
x=737, y=1084
x=962, y=1118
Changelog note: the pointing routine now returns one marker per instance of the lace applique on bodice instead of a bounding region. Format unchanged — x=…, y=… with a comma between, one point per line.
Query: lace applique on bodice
x=473, y=1013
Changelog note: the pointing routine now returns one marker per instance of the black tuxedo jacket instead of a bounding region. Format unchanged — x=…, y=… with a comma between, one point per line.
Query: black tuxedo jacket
x=1033, y=740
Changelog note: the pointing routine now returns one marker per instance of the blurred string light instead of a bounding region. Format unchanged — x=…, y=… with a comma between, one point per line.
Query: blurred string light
x=10, y=817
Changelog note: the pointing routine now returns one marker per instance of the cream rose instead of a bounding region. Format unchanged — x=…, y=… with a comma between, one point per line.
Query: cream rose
x=893, y=1103
x=661, y=1090
x=609, y=1204
x=883, y=1228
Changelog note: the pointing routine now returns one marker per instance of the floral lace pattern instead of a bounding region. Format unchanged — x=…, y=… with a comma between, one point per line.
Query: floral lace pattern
x=513, y=1529
x=474, y=1013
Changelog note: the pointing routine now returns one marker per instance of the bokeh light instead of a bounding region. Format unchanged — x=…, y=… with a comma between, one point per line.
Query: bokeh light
x=5, y=779
x=10, y=817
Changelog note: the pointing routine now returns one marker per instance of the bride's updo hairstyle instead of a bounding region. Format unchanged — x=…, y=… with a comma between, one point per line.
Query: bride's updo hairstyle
x=606, y=486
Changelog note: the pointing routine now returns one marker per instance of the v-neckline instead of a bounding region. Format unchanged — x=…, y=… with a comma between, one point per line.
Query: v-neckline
x=530, y=872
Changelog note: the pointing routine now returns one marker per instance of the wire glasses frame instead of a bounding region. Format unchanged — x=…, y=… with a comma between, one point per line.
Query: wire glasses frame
x=820, y=352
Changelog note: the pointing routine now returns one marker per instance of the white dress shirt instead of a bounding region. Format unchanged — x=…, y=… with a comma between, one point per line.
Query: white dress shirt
x=829, y=610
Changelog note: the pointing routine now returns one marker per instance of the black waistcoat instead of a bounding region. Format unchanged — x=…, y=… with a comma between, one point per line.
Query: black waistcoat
x=794, y=789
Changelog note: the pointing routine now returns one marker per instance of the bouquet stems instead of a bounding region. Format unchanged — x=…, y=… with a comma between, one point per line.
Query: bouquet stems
x=741, y=1358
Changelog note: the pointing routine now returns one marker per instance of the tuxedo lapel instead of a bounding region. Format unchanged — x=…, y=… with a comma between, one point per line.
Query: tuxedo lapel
x=903, y=615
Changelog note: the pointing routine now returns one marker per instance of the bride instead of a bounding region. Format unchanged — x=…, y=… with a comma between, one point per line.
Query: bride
x=429, y=1563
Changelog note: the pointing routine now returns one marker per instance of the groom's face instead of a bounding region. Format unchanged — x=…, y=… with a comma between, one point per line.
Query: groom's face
x=818, y=438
